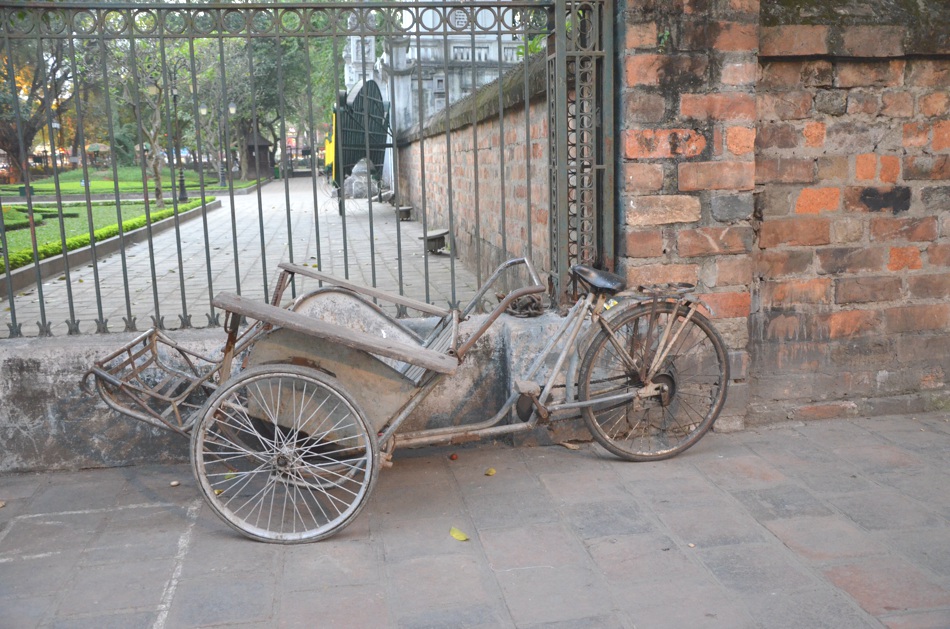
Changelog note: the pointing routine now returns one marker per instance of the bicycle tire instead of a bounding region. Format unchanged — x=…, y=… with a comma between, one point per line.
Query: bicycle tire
x=695, y=374
x=283, y=454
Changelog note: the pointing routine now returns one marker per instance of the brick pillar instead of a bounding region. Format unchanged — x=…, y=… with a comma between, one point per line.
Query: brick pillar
x=688, y=158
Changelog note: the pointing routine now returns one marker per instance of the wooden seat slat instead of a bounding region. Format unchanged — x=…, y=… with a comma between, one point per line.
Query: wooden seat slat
x=260, y=311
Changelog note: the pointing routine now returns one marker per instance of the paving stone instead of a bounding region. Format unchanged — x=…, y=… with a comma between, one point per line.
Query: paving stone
x=821, y=608
x=608, y=517
x=543, y=594
x=827, y=538
x=222, y=599
x=694, y=603
x=755, y=569
x=502, y=510
x=885, y=509
x=785, y=501
x=333, y=605
x=709, y=527
x=883, y=585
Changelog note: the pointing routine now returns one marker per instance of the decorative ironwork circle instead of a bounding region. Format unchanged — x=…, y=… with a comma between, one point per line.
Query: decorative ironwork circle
x=54, y=22
x=144, y=22
x=175, y=22
x=436, y=16
x=234, y=21
x=84, y=22
x=291, y=21
x=262, y=21
x=203, y=21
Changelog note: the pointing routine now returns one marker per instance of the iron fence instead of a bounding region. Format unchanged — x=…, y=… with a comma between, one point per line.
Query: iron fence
x=175, y=151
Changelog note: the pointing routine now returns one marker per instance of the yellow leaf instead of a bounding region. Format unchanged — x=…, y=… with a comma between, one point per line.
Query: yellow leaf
x=229, y=475
x=570, y=446
x=490, y=471
x=218, y=492
x=457, y=534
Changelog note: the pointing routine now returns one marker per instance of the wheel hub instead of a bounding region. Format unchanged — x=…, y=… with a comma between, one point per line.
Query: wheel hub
x=667, y=386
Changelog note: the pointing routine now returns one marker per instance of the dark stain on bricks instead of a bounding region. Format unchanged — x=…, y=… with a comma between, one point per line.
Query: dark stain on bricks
x=896, y=200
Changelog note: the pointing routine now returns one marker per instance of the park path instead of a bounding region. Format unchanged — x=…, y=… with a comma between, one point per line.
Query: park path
x=262, y=230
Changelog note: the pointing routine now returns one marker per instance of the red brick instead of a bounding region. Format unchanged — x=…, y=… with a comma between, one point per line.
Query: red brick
x=784, y=105
x=866, y=103
x=873, y=41
x=739, y=73
x=909, y=229
x=926, y=167
x=865, y=167
x=849, y=259
x=939, y=255
x=916, y=134
x=776, y=135
x=638, y=177
x=934, y=104
x=641, y=35
x=890, y=168
x=662, y=273
x=829, y=410
x=801, y=232
x=696, y=176
x=662, y=143
x=653, y=69
x=781, y=75
x=929, y=73
x=736, y=37
x=847, y=324
x=783, y=262
x=941, y=139
x=643, y=106
x=902, y=258
x=867, y=74
x=779, y=294
x=859, y=290
x=816, y=200
x=663, y=210
x=727, y=106
x=644, y=244
x=935, y=286
x=898, y=104
x=707, y=241
x=876, y=199
x=814, y=133
x=728, y=305
x=793, y=40
x=733, y=270
x=740, y=140
x=917, y=318
x=832, y=167
x=784, y=170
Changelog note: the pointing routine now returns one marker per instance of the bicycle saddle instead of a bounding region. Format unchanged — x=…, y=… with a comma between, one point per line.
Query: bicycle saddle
x=599, y=281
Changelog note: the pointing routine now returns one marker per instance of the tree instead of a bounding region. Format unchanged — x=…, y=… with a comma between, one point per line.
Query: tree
x=36, y=84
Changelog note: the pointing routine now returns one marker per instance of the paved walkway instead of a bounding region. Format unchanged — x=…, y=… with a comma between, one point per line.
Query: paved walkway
x=834, y=524
x=259, y=234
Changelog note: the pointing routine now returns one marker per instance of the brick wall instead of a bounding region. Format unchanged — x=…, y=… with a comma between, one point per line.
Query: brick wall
x=688, y=161
x=499, y=191
x=853, y=173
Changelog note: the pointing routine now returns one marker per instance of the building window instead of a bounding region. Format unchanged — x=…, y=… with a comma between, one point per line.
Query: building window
x=461, y=53
x=481, y=53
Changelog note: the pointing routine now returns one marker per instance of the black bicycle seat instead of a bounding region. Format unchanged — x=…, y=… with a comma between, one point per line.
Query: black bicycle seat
x=599, y=281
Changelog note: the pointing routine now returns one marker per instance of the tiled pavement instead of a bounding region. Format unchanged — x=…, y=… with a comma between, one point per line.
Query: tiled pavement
x=280, y=217
x=835, y=524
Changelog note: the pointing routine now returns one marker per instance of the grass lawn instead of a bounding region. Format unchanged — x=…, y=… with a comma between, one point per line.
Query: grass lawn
x=129, y=181
x=75, y=224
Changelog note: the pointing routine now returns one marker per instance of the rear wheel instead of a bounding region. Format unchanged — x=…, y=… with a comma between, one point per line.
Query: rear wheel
x=283, y=454
x=690, y=383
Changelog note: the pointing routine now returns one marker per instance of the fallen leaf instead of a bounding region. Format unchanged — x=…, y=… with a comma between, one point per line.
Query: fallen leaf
x=570, y=446
x=218, y=492
x=490, y=471
x=457, y=534
x=229, y=475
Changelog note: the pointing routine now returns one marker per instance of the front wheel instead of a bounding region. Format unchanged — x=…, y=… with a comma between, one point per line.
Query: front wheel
x=283, y=454
x=689, y=384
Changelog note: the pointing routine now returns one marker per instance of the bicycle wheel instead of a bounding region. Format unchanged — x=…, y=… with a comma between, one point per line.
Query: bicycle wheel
x=283, y=454
x=692, y=377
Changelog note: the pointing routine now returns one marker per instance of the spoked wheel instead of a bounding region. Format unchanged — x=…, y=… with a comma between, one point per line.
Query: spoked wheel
x=283, y=454
x=690, y=383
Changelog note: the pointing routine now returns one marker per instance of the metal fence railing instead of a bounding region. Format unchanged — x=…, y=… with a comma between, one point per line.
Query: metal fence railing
x=154, y=155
